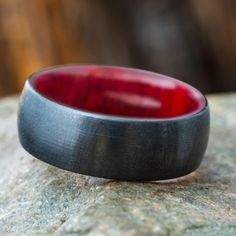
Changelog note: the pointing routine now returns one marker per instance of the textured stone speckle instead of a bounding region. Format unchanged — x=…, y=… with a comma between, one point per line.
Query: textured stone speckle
x=38, y=199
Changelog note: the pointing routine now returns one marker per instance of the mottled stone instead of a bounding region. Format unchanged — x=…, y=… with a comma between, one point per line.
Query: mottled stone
x=38, y=199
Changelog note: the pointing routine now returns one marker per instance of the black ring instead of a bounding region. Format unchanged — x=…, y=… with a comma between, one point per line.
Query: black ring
x=110, y=146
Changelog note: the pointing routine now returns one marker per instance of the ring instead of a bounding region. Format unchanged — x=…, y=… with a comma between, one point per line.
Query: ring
x=113, y=122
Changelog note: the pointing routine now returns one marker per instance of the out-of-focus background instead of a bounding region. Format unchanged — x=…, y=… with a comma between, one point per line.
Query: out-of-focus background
x=193, y=40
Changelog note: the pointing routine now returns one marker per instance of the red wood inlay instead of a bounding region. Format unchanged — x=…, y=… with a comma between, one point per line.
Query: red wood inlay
x=118, y=91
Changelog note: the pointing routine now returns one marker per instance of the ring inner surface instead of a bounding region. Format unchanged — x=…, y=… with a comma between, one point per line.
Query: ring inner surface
x=118, y=91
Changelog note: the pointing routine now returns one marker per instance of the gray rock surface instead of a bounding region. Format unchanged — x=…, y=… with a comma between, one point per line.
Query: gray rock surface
x=38, y=199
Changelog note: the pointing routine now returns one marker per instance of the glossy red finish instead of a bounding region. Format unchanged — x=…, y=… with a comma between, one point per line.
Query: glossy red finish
x=118, y=91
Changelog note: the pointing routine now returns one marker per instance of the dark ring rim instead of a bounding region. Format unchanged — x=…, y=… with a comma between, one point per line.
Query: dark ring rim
x=31, y=79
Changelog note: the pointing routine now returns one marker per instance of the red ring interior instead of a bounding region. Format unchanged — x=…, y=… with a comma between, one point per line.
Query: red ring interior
x=118, y=91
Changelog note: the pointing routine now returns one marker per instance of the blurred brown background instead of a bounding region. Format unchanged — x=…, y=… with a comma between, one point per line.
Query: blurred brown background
x=193, y=40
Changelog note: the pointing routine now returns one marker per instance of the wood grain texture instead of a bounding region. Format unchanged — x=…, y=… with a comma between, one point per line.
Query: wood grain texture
x=191, y=40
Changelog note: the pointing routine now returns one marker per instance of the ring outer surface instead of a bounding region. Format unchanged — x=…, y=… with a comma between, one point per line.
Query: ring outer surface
x=109, y=146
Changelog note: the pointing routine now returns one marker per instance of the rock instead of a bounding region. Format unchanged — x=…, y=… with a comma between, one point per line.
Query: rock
x=38, y=199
